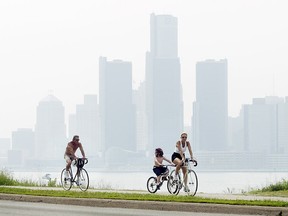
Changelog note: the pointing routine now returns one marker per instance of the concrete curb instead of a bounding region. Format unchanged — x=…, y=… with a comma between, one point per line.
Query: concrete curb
x=152, y=205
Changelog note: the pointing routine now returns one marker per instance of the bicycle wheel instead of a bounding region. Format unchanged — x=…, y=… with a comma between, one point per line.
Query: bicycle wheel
x=83, y=181
x=173, y=184
x=152, y=184
x=66, y=183
x=192, y=183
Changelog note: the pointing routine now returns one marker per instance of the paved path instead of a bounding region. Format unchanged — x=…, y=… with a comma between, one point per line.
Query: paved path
x=166, y=206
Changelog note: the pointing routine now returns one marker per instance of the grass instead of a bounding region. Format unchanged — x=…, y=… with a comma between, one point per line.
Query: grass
x=278, y=189
x=137, y=196
x=7, y=179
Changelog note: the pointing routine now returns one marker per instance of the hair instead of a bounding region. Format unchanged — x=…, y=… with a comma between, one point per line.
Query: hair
x=75, y=137
x=159, y=151
x=183, y=133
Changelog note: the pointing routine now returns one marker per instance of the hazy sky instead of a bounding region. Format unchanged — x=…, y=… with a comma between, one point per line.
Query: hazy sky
x=54, y=46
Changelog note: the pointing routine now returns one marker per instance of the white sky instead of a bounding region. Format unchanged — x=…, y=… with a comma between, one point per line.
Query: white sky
x=54, y=46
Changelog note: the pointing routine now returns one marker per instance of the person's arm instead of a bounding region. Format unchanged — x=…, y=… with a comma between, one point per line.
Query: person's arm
x=82, y=150
x=167, y=160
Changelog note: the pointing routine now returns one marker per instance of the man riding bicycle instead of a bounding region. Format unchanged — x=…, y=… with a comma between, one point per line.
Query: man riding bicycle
x=69, y=154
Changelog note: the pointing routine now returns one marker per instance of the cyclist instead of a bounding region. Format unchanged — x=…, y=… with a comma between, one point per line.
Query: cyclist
x=69, y=154
x=158, y=168
x=178, y=157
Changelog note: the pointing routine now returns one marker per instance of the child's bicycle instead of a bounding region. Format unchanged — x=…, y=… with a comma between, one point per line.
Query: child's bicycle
x=175, y=185
x=152, y=181
x=81, y=177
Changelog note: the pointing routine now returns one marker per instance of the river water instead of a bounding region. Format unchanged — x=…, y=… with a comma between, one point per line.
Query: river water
x=209, y=182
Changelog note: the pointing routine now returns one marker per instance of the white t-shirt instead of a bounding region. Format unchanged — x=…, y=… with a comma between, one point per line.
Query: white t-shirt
x=182, y=148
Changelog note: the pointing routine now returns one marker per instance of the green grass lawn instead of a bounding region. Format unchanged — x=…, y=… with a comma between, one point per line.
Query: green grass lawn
x=279, y=189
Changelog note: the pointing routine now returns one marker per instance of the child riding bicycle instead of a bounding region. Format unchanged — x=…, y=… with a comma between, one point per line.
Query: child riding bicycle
x=158, y=168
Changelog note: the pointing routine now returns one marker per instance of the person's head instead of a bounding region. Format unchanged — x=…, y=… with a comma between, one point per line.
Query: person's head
x=158, y=152
x=76, y=138
x=183, y=136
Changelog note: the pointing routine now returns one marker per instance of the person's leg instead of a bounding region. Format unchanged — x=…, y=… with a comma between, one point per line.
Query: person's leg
x=178, y=163
x=68, y=165
x=184, y=170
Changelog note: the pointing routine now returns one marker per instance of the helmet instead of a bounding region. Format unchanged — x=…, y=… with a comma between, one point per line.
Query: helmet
x=159, y=151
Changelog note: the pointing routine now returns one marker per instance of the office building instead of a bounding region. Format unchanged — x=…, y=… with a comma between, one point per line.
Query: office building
x=164, y=103
x=50, y=131
x=117, y=112
x=210, y=111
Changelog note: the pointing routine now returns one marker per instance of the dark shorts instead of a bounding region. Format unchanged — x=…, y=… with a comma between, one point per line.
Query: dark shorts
x=175, y=155
x=159, y=170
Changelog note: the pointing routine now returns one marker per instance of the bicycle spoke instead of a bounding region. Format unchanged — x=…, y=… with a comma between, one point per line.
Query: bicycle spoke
x=83, y=181
x=173, y=184
x=66, y=183
x=152, y=184
x=192, y=183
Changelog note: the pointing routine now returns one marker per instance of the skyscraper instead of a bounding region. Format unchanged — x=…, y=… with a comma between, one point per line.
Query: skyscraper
x=117, y=112
x=50, y=130
x=163, y=84
x=210, y=111
x=85, y=123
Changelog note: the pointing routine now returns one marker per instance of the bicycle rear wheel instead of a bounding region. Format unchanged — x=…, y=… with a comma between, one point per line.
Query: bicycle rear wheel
x=192, y=183
x=152, y=184
x=83, y=181
x=66, y=183
x=173, y=184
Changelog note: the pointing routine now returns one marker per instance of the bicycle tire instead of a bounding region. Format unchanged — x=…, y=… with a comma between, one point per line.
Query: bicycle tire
x=66, y=183
x=83, y=181
x=192, y=182
x=152, y=184
x=172, y=184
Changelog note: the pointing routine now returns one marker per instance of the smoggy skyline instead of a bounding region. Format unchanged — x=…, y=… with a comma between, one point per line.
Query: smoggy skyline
x=54, y=47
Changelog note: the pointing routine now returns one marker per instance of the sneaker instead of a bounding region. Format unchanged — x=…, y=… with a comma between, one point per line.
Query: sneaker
x=158, y=185
x=186, y=189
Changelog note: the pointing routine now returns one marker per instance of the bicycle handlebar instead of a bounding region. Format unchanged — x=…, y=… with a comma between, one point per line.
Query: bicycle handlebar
x=191, y=160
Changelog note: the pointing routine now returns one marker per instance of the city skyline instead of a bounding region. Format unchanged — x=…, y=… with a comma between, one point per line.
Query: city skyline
x=55, y=49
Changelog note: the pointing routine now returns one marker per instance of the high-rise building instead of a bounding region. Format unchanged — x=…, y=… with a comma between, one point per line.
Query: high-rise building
x=163, y=84
x=210, y=111
x=117, y=112
x=85, y=123
x=266, y=125
x=141, y=118
x=50, y=130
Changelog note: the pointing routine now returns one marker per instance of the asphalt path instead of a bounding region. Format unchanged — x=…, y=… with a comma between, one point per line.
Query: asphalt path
x=38, y=209
x=203, y=208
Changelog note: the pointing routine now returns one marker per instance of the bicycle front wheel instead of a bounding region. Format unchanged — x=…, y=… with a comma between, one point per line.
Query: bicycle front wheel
x=66, y=183
x=152, y=184
x=192, y=182
x=173, y=184
x=83, y=181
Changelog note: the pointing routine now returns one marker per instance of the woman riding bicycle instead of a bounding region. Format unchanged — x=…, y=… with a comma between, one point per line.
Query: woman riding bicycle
x=178, y=157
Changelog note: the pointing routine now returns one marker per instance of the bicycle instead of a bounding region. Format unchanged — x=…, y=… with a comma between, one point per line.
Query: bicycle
x=152, y=181
x=192, y=179
x=81, y=177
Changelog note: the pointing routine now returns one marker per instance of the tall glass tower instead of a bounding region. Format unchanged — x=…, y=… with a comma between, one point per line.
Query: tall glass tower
x=163, y=84
x=210, y=111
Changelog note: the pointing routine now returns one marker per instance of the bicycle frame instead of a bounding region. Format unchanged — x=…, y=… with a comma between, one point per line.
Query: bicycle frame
x=191, y=185
x=152, y=181
x=81, y=177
